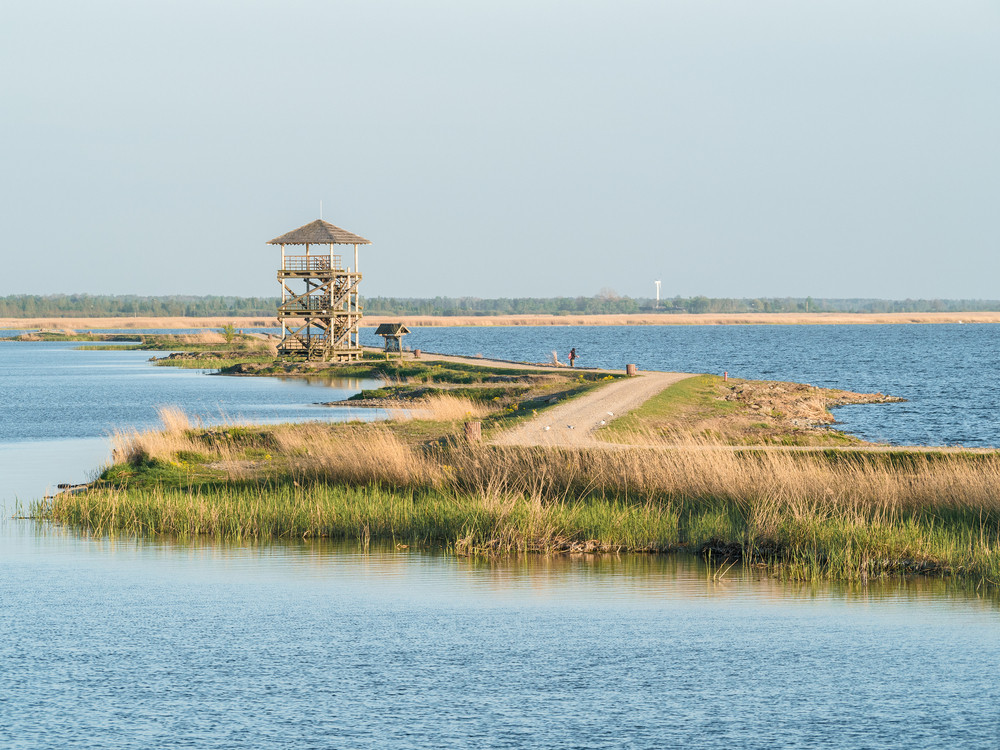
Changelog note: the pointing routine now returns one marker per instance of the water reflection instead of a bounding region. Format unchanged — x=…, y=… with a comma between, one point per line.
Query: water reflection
x=634, y=580
x=330, y=381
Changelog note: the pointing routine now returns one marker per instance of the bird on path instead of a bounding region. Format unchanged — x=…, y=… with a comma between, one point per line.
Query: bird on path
x=546, y=427
x=569, y=427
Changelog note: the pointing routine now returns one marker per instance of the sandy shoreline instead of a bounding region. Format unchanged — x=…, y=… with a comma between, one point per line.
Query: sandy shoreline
x=686, y=319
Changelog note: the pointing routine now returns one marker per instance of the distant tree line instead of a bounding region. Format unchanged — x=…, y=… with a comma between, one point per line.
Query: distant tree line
x=607, y=302
x=502, y=306
x=129, y=305
x=610, y=303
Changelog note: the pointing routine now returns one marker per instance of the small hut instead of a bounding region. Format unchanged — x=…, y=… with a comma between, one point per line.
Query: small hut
x=393, y=334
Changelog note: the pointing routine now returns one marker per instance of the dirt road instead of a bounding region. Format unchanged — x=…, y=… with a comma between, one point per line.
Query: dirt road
x=573, y=424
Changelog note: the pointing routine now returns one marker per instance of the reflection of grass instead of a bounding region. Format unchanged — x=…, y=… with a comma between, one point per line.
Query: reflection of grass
x=808, y=515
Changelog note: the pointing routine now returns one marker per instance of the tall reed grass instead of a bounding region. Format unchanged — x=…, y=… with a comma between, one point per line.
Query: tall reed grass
x=441, y=407
x=847, y=515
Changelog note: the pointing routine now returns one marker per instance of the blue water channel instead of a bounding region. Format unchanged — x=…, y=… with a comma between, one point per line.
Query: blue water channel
x=139, y=643
x=58, y=405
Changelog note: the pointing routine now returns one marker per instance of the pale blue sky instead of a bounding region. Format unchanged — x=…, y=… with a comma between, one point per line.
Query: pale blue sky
x=832, y=149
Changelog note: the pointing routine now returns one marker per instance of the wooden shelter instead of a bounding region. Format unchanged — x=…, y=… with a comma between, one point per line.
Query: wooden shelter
x=393, y=334
x=319, y=310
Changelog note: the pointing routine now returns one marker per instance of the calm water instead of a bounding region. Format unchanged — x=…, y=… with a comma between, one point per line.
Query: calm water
x=137, y=644
x=950, y=374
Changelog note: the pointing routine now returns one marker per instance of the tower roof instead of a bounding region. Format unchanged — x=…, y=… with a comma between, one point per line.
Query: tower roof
x=319, y=232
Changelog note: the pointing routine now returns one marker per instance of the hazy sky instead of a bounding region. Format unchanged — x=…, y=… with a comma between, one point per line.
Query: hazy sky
x=832, y=149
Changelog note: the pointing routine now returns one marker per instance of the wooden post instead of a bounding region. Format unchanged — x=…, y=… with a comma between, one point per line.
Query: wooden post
x=631, y=370
x=284, y=331
x=474, y=432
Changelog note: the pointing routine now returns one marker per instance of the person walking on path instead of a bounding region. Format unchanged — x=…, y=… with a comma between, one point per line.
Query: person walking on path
x=572, y=356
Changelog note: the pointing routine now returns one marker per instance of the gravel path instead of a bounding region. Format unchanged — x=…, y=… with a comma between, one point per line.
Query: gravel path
x=573, y=423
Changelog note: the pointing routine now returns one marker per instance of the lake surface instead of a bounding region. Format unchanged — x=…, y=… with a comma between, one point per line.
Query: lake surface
x=52, y=390
x=118, y=643
x=950, y=374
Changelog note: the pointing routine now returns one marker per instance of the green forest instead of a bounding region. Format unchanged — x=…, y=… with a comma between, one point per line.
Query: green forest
x=128, y=305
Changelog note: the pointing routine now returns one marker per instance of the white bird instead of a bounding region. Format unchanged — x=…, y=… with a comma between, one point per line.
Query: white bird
x=611, y=413
x=546, y=427
x=603, y=422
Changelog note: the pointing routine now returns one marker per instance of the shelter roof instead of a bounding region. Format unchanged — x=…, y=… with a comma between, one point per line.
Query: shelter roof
x=391, y=329
x=319, y=232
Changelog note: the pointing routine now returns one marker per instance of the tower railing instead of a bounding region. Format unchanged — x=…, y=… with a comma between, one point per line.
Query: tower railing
x=312, y=263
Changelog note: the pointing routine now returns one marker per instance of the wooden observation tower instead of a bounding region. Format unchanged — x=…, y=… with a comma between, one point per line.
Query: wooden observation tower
x=319, y=321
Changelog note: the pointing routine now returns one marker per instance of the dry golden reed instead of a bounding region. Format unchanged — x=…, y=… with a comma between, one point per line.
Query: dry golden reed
x=440, y=407
x=133, y=446
x=316, y=452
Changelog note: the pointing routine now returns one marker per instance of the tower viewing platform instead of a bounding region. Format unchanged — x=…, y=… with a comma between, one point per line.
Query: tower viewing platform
x=320, y=309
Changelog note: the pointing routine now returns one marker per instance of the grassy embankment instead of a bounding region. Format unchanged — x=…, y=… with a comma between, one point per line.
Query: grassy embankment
x=850, y=515
x=740, y=412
